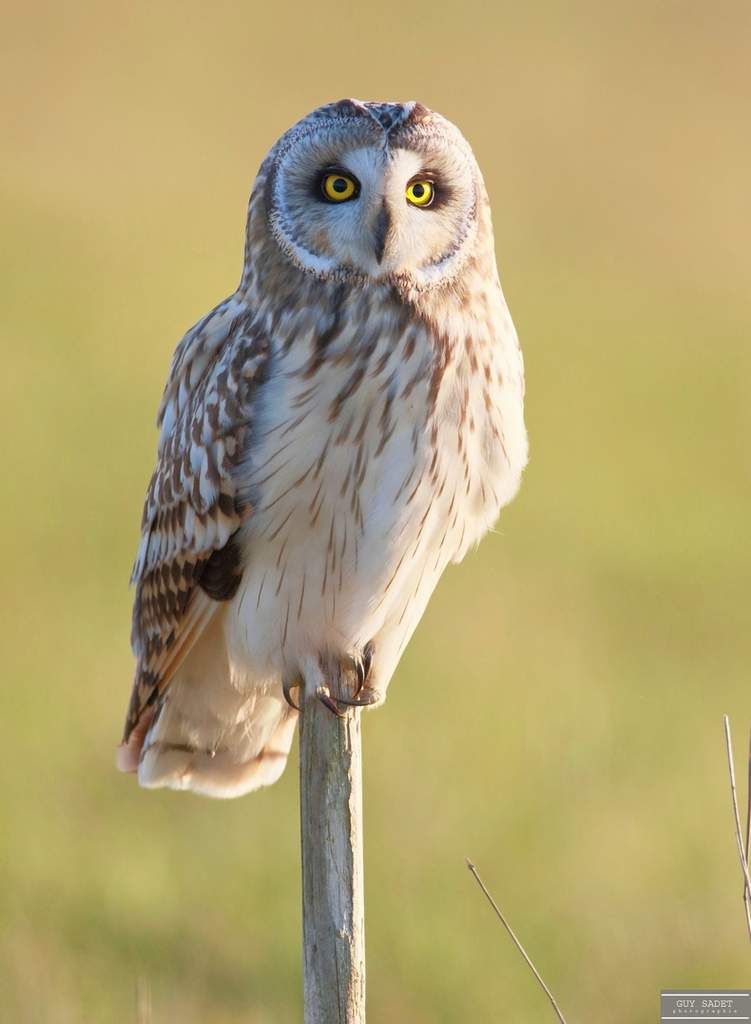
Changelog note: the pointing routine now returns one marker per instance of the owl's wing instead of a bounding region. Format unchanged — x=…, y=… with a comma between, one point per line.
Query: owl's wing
x=187, y=560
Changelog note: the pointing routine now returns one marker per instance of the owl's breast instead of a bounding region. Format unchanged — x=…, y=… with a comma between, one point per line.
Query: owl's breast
x=336, y=478
x=374, y=464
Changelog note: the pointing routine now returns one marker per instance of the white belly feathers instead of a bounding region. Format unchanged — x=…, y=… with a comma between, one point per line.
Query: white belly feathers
x=364, y=485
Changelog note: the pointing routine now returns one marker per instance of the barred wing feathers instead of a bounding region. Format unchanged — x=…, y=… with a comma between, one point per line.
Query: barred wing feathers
x=187, y=561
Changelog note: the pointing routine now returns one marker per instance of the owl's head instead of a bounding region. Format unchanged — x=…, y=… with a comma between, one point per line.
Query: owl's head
x=373, y=191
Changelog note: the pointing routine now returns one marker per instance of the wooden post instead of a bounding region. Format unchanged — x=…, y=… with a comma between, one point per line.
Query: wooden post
x=332, y=865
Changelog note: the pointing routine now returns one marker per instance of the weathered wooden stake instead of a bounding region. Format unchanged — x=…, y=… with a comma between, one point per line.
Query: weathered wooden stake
x=332, y=866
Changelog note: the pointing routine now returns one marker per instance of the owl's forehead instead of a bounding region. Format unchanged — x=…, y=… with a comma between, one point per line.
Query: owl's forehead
x=377, y=163
x=381, y=128
x=384, y=117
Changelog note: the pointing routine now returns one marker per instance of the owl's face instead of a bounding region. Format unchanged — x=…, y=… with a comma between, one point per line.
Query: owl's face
x=374, y=191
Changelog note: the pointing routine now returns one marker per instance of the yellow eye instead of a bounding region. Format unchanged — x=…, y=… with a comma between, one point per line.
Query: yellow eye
x=337, y=187
x=420, y=193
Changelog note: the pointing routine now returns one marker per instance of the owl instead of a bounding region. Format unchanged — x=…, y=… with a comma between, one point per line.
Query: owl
x=332, y=435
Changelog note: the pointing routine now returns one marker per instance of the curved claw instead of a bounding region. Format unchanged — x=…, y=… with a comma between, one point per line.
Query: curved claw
x=360, y=675
x=367, y=658
x=322, y=693
x=363, y=666
x=287, y=688
x=364, y=698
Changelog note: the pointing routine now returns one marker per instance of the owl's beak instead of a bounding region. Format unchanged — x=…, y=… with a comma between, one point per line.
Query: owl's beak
x=380, y=233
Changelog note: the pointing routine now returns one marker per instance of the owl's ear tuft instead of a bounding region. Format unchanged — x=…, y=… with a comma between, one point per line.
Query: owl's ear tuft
x=347, y=108
x=419, y=113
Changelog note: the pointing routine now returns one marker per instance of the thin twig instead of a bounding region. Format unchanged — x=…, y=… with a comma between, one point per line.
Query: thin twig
x=738, y=837
x=516, y=942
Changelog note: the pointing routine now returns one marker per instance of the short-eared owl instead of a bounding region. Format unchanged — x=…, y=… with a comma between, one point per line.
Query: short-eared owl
x=333, y=434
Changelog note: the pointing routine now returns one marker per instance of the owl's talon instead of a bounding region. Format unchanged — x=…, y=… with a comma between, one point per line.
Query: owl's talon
x=287, y=688
x=367, y=659
x=363, y=666
x=363, y=698
x=322, y=693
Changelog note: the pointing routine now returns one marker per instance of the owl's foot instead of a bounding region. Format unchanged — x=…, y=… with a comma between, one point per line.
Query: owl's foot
x=364, y=696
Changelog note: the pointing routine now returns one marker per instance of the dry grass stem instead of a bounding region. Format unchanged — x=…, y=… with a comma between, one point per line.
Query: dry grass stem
x=742, y=849
x=747, y=893
x=516, y=942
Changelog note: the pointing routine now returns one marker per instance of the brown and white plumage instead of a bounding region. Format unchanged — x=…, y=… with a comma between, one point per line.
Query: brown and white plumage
x=332, y=435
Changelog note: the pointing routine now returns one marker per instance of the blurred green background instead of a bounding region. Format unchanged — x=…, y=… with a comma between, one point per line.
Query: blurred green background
x=558, y=715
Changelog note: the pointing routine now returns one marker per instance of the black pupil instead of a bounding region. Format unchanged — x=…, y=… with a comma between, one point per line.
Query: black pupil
x=339, y=185
x=418, y=191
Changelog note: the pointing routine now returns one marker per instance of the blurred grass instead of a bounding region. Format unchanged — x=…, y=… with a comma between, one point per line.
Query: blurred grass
x=558, y=715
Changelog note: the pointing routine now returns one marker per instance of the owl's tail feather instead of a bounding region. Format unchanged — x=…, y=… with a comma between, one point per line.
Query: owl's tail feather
x=210, y=735
x=217, y=773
